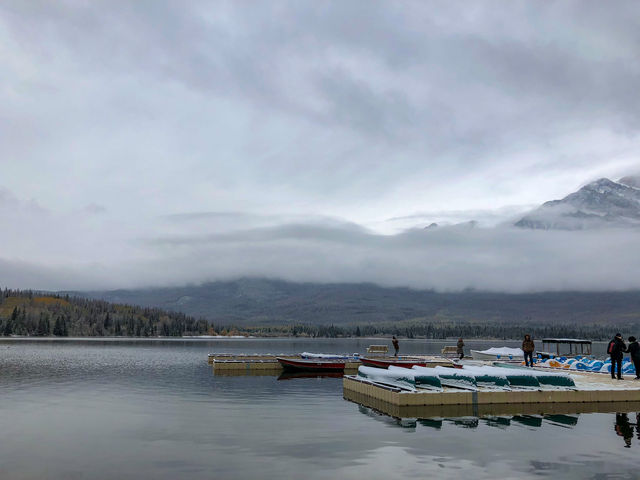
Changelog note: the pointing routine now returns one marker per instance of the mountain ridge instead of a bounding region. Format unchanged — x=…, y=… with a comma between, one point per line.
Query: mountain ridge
x=260, y=301
x=602, y=203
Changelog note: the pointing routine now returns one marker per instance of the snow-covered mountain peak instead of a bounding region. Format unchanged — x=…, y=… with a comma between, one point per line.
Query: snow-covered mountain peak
x=602, y=203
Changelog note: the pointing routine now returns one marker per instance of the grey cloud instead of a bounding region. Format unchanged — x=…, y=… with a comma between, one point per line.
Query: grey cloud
x=446, y=259
x=268, y=121
x=94, y=209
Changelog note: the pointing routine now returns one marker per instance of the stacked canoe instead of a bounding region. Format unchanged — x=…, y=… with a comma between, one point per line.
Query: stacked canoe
x=470, y=377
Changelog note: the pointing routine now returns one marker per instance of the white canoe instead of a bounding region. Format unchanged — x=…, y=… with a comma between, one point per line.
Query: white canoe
x=502, y=353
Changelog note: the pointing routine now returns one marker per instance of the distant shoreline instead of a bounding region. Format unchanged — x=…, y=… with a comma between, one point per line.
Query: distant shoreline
x=258, y=337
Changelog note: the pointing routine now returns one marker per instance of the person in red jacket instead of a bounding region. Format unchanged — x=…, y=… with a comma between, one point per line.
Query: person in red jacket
x=616, y=350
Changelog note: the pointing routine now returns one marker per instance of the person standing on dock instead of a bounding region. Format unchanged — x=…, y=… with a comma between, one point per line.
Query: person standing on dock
x=634, y=353
x=396, y=345
x=460, y=348
x=528, y=347
x=616, y=350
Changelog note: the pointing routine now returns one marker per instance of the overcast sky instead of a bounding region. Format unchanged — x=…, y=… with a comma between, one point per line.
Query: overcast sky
x=150, y=142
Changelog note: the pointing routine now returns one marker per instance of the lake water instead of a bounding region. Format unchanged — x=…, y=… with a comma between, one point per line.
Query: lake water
x=124, y=409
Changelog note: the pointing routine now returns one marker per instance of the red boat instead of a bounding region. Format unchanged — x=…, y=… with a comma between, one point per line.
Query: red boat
x=302, y=374
x=396, y=362
x=311, y=365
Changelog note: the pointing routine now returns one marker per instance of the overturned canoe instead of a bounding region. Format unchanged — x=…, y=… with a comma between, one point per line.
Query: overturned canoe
x=425, y=378
x=450, y=377
x=405, y=380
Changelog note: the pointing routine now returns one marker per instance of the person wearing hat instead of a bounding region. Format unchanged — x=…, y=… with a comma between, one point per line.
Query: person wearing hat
x=634, y=352
x=616, y=350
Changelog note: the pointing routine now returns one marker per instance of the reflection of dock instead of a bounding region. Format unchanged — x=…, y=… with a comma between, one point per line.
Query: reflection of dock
x=489, y=410
x=502, y=422
x=592, y=393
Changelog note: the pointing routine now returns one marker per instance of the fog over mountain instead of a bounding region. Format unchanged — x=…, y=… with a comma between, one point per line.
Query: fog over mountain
x=149, y=144
x=197, y=247
x=600, y=204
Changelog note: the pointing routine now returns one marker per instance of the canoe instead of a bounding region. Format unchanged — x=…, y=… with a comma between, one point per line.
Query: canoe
x=502, y=353
x=311, y=365
x=425, y=378
x=405, y=380
x=547, y=379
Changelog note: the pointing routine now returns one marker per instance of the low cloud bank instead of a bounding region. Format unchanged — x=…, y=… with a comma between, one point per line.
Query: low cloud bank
x=94, y=251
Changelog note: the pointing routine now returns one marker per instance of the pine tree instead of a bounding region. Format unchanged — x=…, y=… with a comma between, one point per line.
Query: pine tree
x=57, y=327
x=8, y=328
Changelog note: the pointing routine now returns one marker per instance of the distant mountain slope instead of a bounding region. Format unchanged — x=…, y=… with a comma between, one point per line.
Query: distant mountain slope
x=599, y=204
x=269, y=302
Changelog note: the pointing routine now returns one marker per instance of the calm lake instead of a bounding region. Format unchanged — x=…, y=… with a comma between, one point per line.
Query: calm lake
x=136, y=409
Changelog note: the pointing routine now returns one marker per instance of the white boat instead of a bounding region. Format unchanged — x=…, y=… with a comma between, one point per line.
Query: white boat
x=501, y=353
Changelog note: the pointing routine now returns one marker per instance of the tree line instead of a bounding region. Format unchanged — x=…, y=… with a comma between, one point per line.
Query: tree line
x=29, y=313
x=25, y=312
x=442, y=330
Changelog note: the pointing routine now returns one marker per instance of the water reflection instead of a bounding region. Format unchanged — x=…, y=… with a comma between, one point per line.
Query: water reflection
x=501, y=422
x=533, y=421
x=128, y=410
x=624, y=428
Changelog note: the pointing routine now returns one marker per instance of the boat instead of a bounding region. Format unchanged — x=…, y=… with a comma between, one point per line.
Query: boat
x=502, y=353
x=564, y=347
x=397, y=362
x=311, y=365
x=290, y=375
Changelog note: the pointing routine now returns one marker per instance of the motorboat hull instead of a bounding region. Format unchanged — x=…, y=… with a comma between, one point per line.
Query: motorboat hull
x=311, y=365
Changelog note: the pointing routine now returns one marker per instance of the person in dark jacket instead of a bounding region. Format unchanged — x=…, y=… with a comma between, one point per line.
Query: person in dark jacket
x=616, y=350
x=460, y=348
x=634, y=351
x=528, y=347
x=396, y=346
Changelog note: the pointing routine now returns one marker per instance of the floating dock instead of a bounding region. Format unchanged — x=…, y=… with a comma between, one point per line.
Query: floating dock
x=267, y=364
x=258, y=364
x=592, y=393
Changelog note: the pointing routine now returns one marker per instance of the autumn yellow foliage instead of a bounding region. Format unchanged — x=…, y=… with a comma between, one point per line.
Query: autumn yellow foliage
x=51, y=301
x=9, y=303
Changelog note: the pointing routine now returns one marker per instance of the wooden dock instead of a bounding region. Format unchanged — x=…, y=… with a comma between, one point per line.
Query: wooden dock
x=593, y=393
x=267, y=364
x=259, y=364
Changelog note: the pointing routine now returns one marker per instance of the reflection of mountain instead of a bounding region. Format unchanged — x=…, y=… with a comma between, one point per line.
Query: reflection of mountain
x=599, y=204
